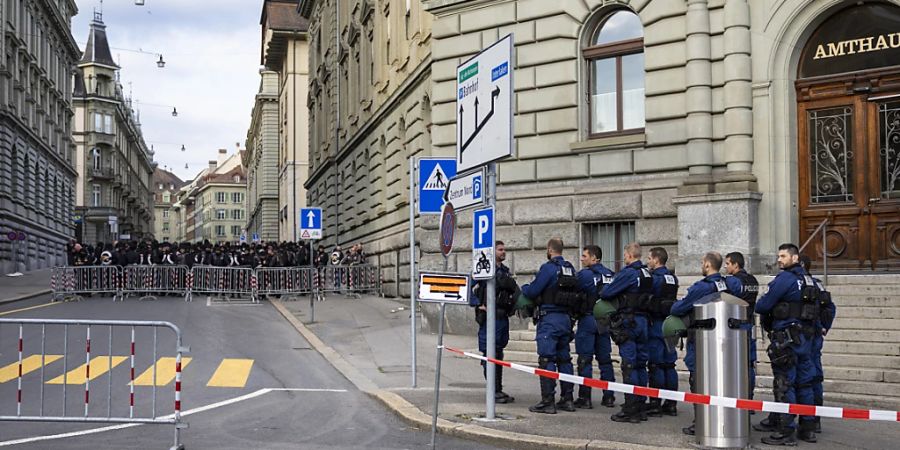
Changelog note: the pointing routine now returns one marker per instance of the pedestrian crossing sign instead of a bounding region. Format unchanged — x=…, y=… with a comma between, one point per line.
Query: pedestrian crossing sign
x=437, y=180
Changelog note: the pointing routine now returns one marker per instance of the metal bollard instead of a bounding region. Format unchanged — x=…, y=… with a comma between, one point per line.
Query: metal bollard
x=722, y=369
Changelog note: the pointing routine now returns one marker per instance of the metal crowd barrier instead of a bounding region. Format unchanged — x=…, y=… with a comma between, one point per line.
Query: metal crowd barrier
x=285, y=281
x=152, y=281
x=224, y=282
x=75, y=282
x=217, y=282
x=50, y=400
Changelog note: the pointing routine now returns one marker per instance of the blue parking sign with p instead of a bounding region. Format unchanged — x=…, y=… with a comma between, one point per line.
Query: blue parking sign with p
x=483, y=227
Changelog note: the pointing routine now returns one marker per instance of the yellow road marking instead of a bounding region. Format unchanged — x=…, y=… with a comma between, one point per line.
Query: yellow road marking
x=231, y=373
x=99, y=366
x=29, y=364
x=165, y=372
x=6, y=313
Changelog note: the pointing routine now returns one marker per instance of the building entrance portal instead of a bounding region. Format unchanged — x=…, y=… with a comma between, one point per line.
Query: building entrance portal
x=848, y=93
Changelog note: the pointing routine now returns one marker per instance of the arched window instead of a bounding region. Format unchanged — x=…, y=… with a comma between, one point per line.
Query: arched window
x=615, y=63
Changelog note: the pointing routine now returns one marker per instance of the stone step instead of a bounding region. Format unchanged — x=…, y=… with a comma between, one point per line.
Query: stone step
x=866, y=312
x=846, y=373
x=849, y=360
x=846, y=323
x=863, y=289
x=863, y=335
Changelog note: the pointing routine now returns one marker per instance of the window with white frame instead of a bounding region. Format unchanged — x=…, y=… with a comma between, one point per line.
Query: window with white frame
x=611, y=237
x=615, y=64
x=97, y=193
x=221, y=214
x=237, y=197
x=95, y=154
x=235, y=230
x=220, y=230
x=220, y=197
x=165, y=214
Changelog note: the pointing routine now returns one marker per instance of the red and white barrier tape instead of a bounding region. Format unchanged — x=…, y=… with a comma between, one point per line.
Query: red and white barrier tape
x=700, y=399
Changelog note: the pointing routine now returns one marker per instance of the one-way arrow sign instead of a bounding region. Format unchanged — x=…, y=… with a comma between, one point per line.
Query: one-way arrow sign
x=466, y=191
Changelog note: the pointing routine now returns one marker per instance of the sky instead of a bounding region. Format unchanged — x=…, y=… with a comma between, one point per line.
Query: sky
x=211, y=49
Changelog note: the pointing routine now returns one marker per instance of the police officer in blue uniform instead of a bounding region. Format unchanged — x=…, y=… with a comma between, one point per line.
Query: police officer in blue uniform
x=791, y=302
x=507, y=292
x=631, y=288
x=661, y=368
x=827, y=312
x=744, y=286
x=556, y=293
x=711, y=282
x=589, y=341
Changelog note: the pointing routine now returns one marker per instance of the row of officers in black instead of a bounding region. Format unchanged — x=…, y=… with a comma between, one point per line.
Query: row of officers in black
x=638, y=309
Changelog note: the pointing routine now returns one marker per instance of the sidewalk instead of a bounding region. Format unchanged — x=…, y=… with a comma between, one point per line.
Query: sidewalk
x=368, y=340
x=30, y=284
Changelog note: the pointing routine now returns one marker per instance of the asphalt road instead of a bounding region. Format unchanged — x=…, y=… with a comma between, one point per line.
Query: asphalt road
x=252, y=382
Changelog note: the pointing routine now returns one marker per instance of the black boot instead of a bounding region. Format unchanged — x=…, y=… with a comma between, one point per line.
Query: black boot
x=565, y=403
x=806, y=432
x=785, y=437
x=499, y=395
x=609, y=400
x=545, y=406
x=688, y=430
x=584, y=403
x=670, y=408
x=818, y=424
x=654, y=408
x=768, y=424
x=630, y=412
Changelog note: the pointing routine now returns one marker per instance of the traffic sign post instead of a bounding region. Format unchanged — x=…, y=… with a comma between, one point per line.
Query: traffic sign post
x=443, y=288
x=483, y=261
x=484, y=126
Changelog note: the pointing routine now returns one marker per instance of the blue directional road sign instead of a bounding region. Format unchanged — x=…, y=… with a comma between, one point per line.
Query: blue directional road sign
x=434, y=176
x=483, y=244
x=311, y=223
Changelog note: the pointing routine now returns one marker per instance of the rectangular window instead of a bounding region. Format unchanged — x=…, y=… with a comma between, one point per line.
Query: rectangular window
x=166, y=214
x=107, y=124
x=236, y=230
x=97, y=193
x=220, y=230
x=165, y=226
x=220, y=197
x=237, y=197
x=221, y=214
x=611, y=238
x=237, y=214
x=98, y=122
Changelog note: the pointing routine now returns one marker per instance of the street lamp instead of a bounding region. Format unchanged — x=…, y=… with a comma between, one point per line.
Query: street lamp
x=139, y=2
x=174, y=112
x=161, y=63
x=182, y=147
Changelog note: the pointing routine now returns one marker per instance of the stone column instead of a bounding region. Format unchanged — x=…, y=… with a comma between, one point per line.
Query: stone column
x=699, y=94
x=738, y=93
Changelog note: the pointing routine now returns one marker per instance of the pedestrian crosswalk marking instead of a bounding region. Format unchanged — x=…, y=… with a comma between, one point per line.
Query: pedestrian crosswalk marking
x=232, y=372
x=99, y=366
x=165, y=372
x=29, y=364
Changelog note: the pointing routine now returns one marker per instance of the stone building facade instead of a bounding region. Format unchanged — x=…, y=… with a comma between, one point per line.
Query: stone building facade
x=261, y=161
x=285, y=50
x=113, y=192
x=696, y=125
x=370, y=107
x=165, y=193
x=220, y=209
x=37, y=169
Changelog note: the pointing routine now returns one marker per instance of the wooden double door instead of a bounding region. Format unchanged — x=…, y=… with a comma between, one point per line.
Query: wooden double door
x=849, y=174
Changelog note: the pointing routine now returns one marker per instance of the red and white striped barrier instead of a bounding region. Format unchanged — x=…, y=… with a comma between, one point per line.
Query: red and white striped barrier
x=699, y=399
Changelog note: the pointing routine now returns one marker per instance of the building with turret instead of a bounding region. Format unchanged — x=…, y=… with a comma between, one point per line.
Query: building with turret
x=113, y=192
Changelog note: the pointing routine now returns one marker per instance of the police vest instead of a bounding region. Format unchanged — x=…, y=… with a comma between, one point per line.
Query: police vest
x=807, y=309
x=750, y=288
x=641, y=300
x=588, y=301
x=661, y=305
x=565, y=292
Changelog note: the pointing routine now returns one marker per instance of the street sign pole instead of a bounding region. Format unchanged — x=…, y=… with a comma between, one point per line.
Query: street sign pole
x=491, y=309
x=412, y=267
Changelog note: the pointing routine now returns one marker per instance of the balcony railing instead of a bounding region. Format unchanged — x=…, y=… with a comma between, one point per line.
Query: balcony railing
x=105, y=173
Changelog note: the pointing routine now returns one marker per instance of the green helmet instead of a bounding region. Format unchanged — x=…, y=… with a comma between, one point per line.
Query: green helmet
x=603, y=309
x=674, y=326
x=524, y=302
x=673, y=330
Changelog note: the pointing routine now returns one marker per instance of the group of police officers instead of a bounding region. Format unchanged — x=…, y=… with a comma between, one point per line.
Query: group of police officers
x=638, y=309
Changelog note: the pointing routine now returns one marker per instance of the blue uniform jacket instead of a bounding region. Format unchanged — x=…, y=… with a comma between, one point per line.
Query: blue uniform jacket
x=546, y=277
x=698, y=290
x=627, y=281
x=475, y=300
x=785, y=287
x=590, y=276
x=735, y=287
x=659, y=279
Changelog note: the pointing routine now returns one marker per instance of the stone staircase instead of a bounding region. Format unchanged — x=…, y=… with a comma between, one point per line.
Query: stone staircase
x=861, y=356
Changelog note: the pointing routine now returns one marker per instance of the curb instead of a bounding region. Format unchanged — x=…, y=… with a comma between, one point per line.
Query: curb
x=26, y=296
x=412, y=415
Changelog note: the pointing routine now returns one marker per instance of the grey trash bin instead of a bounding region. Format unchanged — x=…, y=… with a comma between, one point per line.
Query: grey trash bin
x=722, y=370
